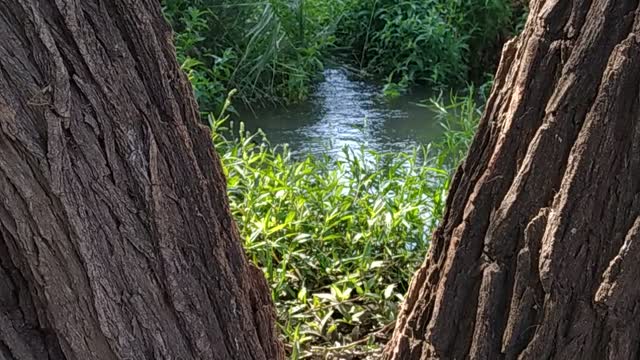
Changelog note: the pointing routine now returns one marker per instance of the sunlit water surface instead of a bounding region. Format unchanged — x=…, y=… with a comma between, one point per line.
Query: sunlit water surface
x=343, y=111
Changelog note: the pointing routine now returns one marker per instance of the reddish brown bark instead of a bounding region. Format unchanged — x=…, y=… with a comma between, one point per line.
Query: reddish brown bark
x=116, y=240
x=537, y=255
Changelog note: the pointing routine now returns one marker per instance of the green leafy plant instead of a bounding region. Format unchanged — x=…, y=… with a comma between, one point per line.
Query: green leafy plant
x=338, y=238
x=437, y=42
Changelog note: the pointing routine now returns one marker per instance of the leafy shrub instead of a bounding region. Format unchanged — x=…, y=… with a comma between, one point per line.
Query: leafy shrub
x=339, y=238
x=432, y=41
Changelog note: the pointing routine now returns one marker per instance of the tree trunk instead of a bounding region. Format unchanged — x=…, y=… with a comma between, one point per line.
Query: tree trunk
x=537, y=257
x=116, y=240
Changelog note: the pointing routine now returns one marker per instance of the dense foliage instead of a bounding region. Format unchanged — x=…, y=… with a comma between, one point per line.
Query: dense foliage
x=269, y=51
x=273, y=50
x=338, y=238
x=430, y=41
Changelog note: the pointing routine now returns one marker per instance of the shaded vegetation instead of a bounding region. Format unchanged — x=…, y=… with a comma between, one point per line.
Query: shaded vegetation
x=269, y=51
x=436, y=42
x=272, y=51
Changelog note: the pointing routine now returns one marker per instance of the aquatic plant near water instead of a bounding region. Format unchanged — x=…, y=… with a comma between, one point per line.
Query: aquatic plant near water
x=339, y=237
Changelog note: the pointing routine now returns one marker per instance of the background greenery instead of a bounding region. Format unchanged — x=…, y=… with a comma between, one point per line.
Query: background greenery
x=272, y=51
x=339, y=238
x=430, y=41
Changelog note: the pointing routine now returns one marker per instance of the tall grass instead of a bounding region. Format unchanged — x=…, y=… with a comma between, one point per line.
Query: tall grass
x=270, y=51
x=339, y=238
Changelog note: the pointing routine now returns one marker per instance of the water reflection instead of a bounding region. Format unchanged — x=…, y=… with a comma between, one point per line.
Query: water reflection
x=347, y=112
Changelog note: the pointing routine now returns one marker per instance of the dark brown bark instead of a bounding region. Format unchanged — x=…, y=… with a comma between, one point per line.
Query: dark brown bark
x=116, y=241
x=538, y=252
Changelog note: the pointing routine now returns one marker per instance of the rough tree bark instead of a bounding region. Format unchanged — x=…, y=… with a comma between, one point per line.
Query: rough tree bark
x=116, y=240
x=537, y=256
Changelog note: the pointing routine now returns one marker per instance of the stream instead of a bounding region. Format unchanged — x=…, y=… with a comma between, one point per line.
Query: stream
x=344, y=111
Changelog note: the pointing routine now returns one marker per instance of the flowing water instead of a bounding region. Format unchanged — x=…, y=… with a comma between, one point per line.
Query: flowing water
x=343, y=111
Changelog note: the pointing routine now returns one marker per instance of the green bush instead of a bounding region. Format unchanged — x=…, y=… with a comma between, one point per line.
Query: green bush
x=339, y=238
x=436, y=42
